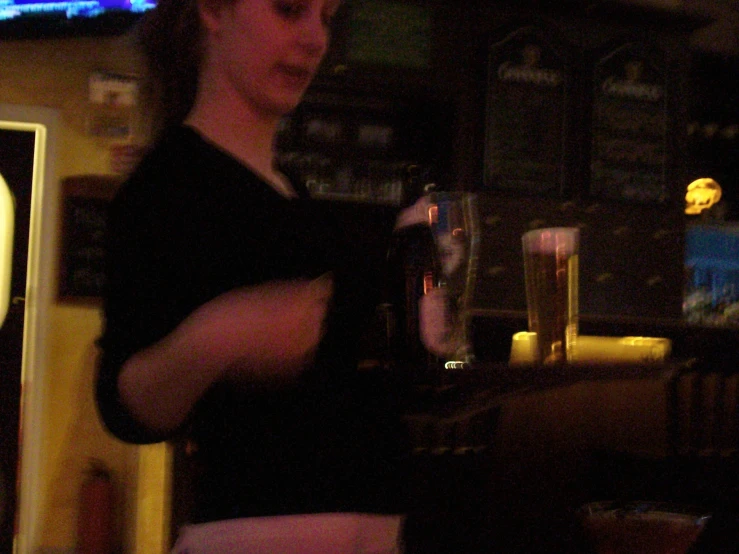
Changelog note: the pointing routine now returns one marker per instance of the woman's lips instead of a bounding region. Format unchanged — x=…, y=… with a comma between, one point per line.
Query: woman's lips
x=296, y=76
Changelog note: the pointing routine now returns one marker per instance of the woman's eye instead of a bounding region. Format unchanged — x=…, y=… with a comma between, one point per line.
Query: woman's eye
x=290, y=10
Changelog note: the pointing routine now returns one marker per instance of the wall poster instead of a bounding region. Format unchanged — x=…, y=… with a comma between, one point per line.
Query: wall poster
x=526, y=123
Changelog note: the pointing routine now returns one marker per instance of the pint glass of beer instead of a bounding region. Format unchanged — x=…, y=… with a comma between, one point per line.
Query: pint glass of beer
x=642, y=527
x=551, y=273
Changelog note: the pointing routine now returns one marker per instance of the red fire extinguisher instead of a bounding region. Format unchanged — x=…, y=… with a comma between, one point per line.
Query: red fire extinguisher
x=95, y=519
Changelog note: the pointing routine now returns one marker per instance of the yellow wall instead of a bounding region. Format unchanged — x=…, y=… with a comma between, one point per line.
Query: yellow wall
x=54, y=74
x=73, y=433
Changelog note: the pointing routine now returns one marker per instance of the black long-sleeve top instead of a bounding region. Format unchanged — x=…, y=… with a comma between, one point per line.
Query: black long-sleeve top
x=191, y=223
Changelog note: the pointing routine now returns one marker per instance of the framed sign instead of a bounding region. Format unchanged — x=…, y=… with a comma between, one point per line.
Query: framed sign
x=629, y=150
x=84, y=207
x=526, y=114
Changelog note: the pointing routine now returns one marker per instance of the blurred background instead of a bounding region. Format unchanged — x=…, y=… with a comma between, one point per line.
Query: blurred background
x=598, y=114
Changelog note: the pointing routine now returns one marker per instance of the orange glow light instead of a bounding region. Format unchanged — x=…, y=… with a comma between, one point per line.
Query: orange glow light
x=701, y=195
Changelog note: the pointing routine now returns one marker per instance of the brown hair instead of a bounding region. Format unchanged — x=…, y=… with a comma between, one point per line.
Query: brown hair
x=170, y=37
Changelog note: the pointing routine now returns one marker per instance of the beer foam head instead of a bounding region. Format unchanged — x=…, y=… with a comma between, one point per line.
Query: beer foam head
x=564, y=240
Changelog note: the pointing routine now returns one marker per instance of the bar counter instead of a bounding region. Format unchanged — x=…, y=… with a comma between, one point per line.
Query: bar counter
x=504, y=456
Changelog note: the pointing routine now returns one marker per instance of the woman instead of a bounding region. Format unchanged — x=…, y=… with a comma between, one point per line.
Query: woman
x=233, y=308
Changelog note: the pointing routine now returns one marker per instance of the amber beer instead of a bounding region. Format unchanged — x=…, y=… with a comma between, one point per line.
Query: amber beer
x=642, y=527
x=551, y=275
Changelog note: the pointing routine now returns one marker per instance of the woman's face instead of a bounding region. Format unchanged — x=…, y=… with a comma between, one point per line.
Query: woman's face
x=266, y=52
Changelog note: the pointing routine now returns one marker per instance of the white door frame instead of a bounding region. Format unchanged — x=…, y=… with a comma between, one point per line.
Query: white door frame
x=45, y=122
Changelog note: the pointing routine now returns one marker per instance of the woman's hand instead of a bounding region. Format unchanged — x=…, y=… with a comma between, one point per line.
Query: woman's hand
x=263, y=333
x=433, y=315
x=270, y=331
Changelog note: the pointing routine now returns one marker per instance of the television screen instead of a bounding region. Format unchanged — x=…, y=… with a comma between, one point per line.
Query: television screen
x=48, y=18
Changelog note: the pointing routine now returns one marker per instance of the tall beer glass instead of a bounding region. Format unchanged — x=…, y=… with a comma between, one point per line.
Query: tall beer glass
x=551, y=273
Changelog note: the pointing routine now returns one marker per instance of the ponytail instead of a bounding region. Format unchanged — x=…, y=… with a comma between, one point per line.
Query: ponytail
x=170, y=37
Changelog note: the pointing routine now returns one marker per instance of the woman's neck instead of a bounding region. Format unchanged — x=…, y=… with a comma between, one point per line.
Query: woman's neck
x=249, y=139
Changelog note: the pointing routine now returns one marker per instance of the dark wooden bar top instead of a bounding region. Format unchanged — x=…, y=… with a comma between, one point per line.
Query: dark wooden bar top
x=505, y=455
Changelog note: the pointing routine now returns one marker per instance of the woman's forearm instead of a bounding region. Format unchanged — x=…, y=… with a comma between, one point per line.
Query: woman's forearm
x=161, y=384
x=259, y=334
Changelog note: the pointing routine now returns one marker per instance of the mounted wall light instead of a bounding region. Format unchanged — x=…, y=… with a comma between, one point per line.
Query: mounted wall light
x=7, y=226
x=701, y=195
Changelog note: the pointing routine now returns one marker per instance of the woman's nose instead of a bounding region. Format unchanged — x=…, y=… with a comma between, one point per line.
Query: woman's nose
x=314, y=35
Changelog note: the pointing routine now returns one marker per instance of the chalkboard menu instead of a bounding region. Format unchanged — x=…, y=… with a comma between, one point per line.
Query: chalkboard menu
x=84, y=217
x=629, y=126
x=526, y=123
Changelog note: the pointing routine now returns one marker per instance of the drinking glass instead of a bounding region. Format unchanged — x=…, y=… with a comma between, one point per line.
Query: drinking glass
x=551, y=273
x=642, y=527
x=455, y=228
